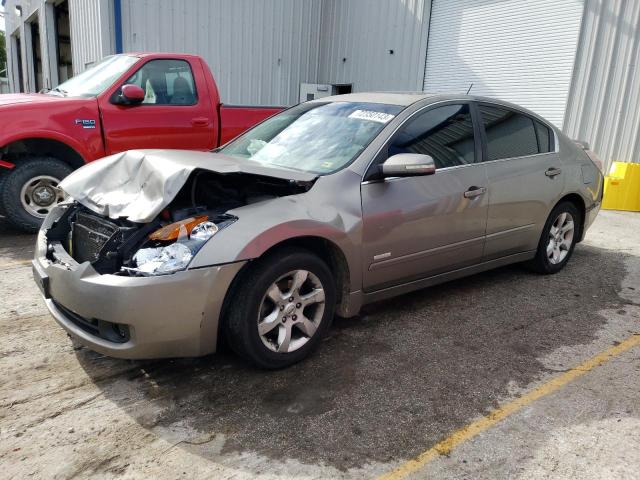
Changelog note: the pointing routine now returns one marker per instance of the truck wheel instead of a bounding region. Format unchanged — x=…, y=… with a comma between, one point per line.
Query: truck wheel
x=3, y=212
x=31, y=190
x=281, y=309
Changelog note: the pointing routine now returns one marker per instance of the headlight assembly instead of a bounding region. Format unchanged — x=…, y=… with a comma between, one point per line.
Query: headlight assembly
x=188, y=235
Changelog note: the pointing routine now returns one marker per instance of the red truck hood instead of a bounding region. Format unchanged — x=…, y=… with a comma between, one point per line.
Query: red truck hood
x=30, y=98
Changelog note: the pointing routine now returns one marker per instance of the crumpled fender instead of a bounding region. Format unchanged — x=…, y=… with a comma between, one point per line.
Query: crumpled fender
x=263, y=225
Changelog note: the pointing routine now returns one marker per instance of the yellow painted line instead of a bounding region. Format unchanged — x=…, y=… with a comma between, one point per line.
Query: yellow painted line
x=15, y=264
x=445, y=446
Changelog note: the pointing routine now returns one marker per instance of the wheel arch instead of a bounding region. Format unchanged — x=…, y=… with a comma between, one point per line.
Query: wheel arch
x=330, y=253
x=325, y=249
x=22, y=149
x=577, y=200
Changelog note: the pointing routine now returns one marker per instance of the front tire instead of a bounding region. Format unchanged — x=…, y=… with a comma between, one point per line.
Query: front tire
x=280, y=308
x=3, y=177
x=31, y=190
x=558, y=240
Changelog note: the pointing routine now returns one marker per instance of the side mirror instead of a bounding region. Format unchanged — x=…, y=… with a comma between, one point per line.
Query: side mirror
x=408, y=165
x=130, y=95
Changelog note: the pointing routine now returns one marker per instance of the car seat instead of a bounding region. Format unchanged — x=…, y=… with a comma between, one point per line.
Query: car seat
x=182, y=94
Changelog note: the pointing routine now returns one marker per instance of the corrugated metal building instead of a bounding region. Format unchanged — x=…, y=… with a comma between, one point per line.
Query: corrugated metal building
x=573, y=61
x=604, y=99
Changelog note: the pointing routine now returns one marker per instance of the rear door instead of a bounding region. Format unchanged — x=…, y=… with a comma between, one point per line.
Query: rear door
x=525, y=178
x=175, y=113
x=416, y=227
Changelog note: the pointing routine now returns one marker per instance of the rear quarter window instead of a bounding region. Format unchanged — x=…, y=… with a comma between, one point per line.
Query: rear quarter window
x=545, y=138
x=511, y=134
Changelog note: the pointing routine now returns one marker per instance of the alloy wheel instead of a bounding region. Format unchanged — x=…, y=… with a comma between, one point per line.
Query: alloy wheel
x=291, y=311
x=560, y=238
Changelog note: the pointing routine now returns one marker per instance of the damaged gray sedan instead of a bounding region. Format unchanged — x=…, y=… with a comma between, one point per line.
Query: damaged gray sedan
x=325, y=207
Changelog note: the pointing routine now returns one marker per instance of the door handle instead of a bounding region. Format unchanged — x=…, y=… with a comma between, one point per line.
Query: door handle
x=200, y=122
x=552, y=172
x=475, y=192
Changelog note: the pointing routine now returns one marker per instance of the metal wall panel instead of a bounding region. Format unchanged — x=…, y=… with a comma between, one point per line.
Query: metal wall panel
x=91, y=23
x=517, y=50
x=358, y=36
x=15, y=24
x=258, y=51
x=604, y=104
x=11, y=24
x=91, y=27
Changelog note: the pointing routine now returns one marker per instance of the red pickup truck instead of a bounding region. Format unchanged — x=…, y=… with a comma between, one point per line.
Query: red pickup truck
x=129, y=101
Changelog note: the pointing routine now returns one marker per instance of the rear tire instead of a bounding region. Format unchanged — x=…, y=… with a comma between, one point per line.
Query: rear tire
x=280, y=308
x=558, y=240
x=29, y=191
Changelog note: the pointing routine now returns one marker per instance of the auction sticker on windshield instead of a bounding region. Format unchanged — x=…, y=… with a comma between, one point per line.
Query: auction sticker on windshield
x=372, y=116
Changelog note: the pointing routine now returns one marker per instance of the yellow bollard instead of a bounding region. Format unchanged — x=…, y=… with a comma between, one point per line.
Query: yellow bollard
x=622, y=187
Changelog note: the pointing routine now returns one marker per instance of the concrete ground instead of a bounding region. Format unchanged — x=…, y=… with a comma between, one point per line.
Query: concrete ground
x=382, y=389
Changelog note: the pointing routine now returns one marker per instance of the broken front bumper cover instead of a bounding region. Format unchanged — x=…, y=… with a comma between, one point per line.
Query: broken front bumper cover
x=158, y=317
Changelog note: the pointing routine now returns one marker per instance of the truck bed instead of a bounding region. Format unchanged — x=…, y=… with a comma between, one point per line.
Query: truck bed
x=235, y=119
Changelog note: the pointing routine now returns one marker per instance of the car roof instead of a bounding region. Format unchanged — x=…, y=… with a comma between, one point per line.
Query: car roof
x=408, y=98
x=390, y=98
x=404, y=98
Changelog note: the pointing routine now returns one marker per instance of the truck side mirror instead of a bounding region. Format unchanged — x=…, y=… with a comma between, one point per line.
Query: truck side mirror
x=130, y=95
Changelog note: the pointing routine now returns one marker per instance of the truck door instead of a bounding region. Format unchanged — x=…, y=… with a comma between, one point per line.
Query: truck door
x=175, y=113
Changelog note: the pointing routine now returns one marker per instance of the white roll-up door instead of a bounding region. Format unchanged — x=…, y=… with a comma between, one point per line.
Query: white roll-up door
x=522, y=51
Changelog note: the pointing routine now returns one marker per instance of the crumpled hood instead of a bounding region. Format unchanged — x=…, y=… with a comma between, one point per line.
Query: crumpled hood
x=138, y=184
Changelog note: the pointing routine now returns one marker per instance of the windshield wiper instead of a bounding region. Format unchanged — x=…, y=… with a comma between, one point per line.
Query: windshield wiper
x=62, y=93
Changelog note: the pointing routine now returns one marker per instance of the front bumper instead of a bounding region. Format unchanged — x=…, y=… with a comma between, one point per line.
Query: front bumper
x=165, y=316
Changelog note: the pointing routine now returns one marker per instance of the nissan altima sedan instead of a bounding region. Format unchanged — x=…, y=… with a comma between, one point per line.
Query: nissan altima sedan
x=319, y=210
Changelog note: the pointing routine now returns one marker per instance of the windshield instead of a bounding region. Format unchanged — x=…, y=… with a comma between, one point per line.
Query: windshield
x=97, y=79
x=314, y=137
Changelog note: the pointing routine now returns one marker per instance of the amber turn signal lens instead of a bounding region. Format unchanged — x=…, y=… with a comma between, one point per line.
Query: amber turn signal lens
x=172, y=231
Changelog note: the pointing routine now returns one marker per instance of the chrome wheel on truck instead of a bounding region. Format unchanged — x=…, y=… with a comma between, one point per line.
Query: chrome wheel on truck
x=280, y=307
x=30, y=190
x=40, y=194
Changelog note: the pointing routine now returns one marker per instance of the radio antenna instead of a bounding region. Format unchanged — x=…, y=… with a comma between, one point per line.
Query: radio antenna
x=470, y=87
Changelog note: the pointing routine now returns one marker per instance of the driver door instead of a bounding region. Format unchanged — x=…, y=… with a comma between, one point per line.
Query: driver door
x=174, y=114
x=417, y=227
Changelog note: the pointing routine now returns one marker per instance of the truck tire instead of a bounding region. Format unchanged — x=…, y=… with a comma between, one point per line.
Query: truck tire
x=3, y=212
x=30, y=191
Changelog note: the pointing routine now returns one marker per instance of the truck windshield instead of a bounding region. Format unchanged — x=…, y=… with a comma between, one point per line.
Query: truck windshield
x=314, y=137
x=97, y=79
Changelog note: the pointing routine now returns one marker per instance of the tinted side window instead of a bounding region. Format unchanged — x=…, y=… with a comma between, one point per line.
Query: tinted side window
x=445, y=133
x=509, y=134
x=545, y=138
x=166, y=82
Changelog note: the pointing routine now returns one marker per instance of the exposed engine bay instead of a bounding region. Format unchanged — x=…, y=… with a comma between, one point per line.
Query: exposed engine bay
x=168, y=242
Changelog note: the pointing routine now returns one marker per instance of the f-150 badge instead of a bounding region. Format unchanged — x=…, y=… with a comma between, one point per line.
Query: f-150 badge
x=86, y=123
